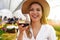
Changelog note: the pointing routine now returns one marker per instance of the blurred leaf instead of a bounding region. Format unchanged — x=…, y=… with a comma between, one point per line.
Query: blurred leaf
x=57, y=28
x=5, y=25
x=1, y=32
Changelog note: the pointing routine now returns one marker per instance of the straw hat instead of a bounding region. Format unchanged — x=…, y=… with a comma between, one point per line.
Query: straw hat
x=44, y=3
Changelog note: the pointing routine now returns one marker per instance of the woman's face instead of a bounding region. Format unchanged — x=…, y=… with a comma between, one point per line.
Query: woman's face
x=35, y=12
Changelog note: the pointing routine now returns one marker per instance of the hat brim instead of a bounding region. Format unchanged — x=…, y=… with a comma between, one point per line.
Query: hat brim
x=44, y=3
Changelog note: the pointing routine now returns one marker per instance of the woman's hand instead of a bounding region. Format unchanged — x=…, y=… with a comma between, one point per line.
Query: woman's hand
x=21, y=27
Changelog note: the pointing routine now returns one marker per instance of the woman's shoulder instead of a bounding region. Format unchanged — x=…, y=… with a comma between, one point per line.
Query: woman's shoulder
x=47, y=26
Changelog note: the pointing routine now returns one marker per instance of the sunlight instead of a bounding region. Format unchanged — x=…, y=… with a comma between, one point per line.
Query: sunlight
x=54, y=14
x=54, y=10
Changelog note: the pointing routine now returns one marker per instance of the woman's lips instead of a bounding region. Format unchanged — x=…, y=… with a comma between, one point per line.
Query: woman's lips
x=34, y=16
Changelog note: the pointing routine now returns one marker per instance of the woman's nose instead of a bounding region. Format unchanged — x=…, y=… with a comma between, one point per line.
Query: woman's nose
x=34, y=11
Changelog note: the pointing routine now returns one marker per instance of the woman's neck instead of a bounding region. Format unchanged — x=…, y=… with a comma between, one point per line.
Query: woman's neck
x=36, y=25
x=35, y=28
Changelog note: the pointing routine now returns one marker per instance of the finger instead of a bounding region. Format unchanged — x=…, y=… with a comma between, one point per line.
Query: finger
x=27, y=28
x=20, y=27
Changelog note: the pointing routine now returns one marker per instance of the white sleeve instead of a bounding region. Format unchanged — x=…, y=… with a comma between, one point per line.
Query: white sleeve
x=52, y=33
x=25, y=36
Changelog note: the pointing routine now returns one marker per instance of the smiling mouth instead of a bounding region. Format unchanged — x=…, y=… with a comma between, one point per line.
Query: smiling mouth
x=34, y=16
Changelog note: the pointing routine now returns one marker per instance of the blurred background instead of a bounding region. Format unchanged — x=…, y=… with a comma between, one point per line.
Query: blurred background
x=9, y=7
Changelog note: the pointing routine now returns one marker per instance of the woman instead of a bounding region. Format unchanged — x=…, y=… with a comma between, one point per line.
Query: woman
x=38, y=29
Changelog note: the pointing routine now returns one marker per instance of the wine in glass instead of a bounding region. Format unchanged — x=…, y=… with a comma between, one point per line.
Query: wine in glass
x=25, y=21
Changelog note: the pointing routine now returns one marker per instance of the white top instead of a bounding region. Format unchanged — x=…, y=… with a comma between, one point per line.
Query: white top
x=46, y=32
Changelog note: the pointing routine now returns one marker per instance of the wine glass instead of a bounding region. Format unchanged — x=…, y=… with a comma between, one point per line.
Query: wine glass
x=25, y=20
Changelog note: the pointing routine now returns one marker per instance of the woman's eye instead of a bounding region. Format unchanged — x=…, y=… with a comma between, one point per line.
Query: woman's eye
x=31, y=10
x=34, y=9
x=38, y=9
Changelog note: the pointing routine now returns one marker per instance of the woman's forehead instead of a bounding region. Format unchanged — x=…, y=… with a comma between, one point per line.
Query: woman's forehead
x=35, y=5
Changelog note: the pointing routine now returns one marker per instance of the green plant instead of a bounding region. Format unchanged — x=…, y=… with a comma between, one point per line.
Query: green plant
x=1, y=32
x=57, y=28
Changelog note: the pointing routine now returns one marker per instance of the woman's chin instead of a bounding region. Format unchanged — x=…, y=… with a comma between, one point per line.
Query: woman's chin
x=35, y=20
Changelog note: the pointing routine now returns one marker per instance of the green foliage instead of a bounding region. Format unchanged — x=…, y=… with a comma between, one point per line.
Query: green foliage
x=1, y=32
x=8, y=36
x=57, y=28
x=1, y=38
x=5, y=25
